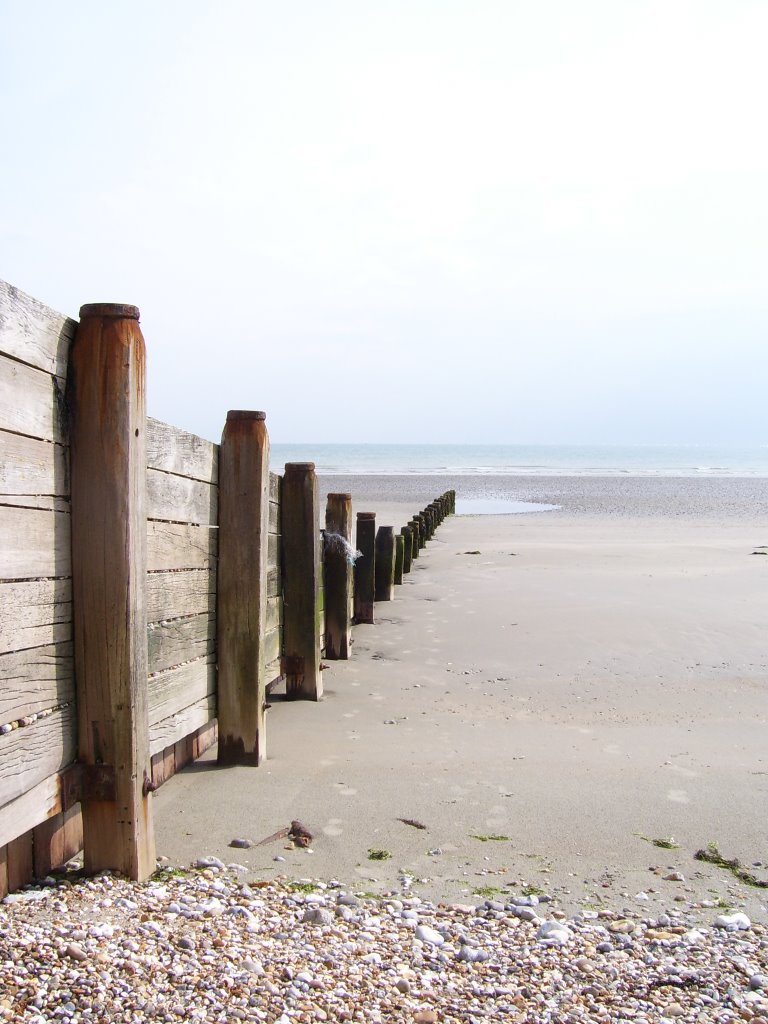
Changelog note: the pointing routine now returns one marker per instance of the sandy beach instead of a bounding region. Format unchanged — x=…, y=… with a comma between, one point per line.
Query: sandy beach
x=578, y=684
x=570, y=703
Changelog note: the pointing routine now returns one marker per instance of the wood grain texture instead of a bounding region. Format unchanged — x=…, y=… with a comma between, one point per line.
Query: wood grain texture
x=35, y=613
x=35, y=805
x=32, y=332
x=107, y=406
x=170, y=692
x=34, y=543
x=171, y=730
x=275, y=485
x=31, y=401
x=170, y=595
x=180, y=640
x=274, y=582
x=57, y=840
x=30, y=755
x=274, y=518
x=180, y=499
x=301, y=582
x=173, y=450
x=30, y=466
x=272, y=646
x=244, y=483
x=21, y=863
x=35, y=680
x=176, y=546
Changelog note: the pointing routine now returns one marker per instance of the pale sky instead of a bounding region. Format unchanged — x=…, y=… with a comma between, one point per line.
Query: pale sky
x=406, y=220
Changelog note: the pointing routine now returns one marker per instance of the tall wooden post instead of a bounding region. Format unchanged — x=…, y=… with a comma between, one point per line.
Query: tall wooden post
x=399, y=557
x=365, y=566
x=338, y=553
x=407, y=535
x=418, y=535
x=109, y=569
x=385, y=564
x=301, y=582
x=242, y=587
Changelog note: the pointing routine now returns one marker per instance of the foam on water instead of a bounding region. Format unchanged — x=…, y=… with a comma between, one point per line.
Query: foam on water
x=499, y=507
x=527, y=460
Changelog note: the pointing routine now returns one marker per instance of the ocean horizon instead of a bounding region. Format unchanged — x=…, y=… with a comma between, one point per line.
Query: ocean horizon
x=526, y=460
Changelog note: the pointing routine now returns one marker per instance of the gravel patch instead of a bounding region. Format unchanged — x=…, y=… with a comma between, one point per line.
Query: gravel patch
x=205, y=946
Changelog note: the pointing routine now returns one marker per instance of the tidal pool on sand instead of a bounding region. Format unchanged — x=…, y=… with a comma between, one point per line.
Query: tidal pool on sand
x=499, y=507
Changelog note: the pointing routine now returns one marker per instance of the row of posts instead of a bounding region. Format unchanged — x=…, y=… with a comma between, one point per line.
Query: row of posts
x=356, y=578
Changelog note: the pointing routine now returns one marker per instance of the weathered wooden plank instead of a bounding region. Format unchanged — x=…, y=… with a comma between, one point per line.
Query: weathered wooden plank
x=31, y=401
x=34, y=543
x=275, y=481
x=31, y=754
x=274, y=517
x=170, y=595
x=21, y=863
x=274, y=616
x=176, y=546
x=32, y=332
x=107, y=406
x=173, y=450
x=171, y=730
x=274, y=582
x=31, y=466
x=179, y=640
x=57, y=840
x=35, y=680
x=274, y=671
x=274, y=554
x=171, y=691
x=34, y=613
x=180, y=499
x=38, y=803
x=272, y=645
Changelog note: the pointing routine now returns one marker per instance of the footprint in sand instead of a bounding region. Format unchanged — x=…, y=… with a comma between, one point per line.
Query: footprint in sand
x=678, y=796
x=345, y=790
x=333, y=828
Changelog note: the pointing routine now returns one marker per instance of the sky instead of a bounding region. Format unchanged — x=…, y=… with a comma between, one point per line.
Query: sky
x=491, y=221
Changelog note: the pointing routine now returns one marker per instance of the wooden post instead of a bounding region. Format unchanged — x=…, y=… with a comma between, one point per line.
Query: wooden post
x=365, y=566
x=301, y=582
x=407, y=548
x=385, y=563
x=107, y=406
x=427, y=514
x=399, y=557
x=338, y=576
x=418, y=527
x=242, y=587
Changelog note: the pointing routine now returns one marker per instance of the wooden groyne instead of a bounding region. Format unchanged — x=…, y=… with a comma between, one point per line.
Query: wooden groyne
x=154, y=588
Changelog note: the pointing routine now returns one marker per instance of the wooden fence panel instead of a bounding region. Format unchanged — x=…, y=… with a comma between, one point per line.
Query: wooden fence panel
x=34, y=613
x=273, y=640
x=182, y=542
x=33, y=333
x=31, y=753
x=173, y=450
x=36, y=664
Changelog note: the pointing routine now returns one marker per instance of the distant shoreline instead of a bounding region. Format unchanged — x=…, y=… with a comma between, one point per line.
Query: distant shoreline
x=723, y=498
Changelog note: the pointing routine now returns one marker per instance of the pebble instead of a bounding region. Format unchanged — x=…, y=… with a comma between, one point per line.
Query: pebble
x=426, y=934
x=208, y=947
x=733, y=922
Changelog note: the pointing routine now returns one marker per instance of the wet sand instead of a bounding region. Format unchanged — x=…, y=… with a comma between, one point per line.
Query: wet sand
x=591, y=680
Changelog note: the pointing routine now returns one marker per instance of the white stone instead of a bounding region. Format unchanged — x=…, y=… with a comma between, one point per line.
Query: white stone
x=737, y=922
x=426, y=934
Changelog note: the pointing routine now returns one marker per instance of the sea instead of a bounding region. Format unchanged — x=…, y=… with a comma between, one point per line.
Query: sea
x=528, y=460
